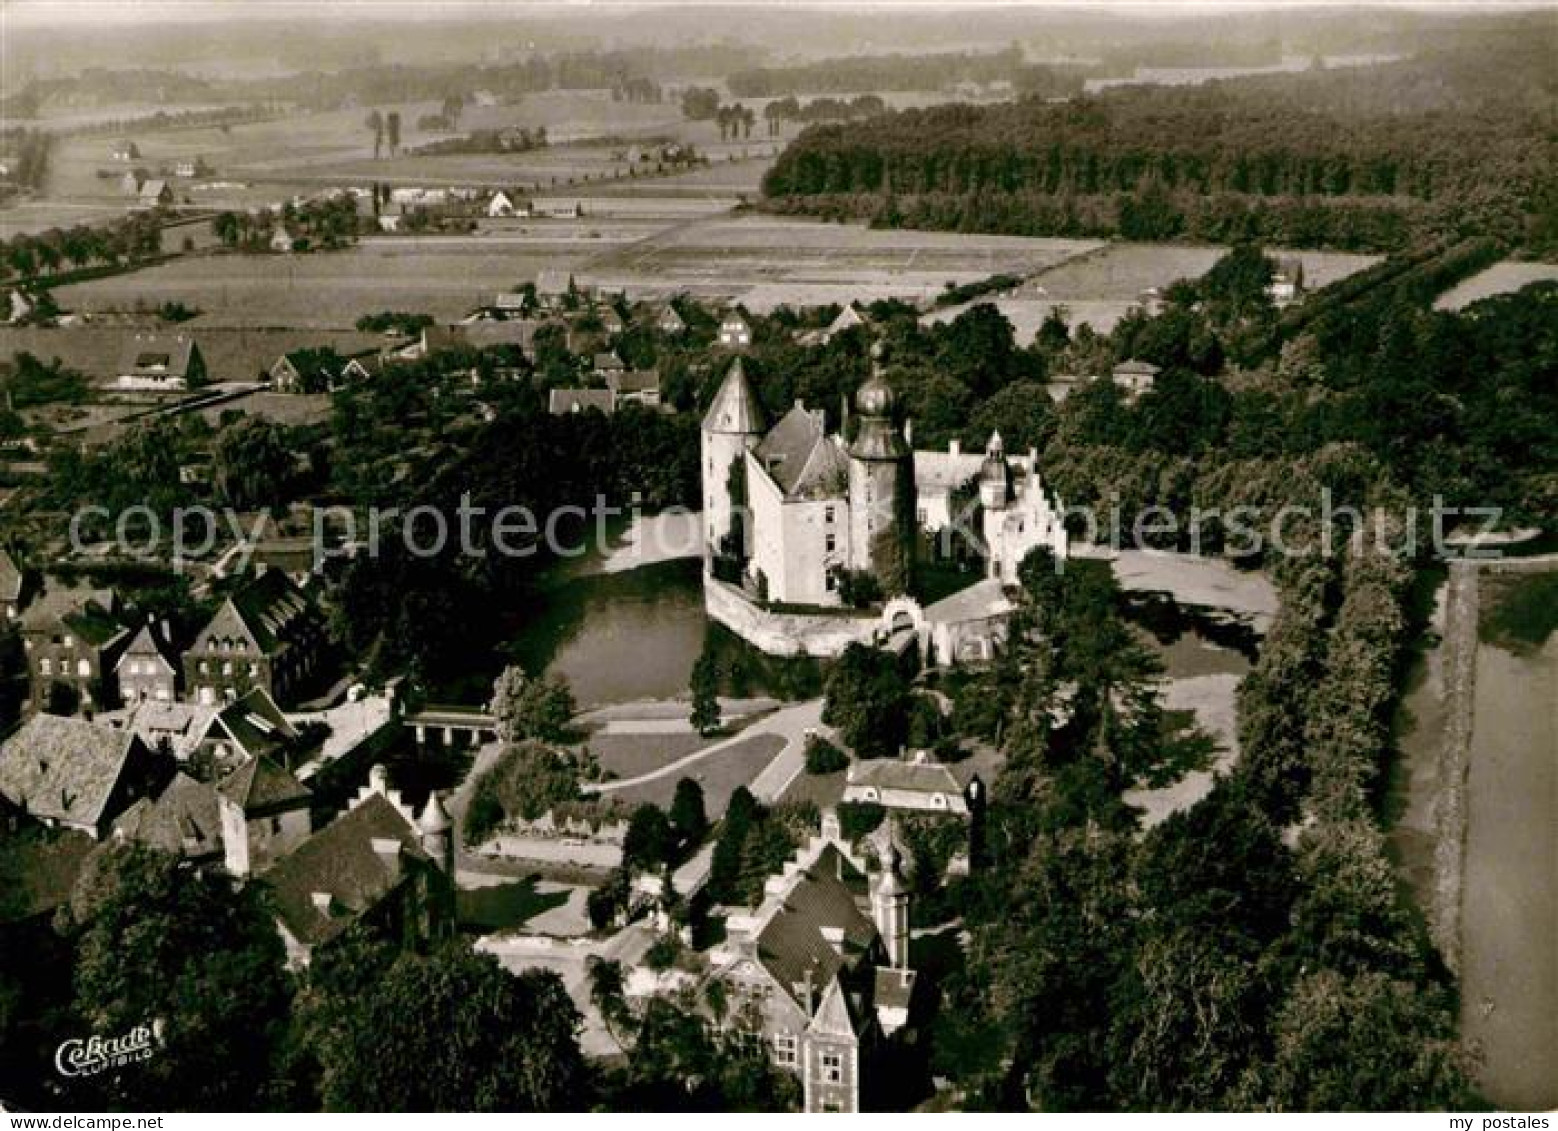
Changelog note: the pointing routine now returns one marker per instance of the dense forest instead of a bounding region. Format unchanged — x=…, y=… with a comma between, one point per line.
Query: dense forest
x=1452, y=144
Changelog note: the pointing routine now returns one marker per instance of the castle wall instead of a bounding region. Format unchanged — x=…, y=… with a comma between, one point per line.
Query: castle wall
x=784, y=634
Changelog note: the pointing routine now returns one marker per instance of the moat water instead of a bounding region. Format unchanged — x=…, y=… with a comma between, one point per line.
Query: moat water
x=636, y=634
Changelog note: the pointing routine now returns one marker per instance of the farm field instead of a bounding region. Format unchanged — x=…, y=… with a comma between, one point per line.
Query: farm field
x=1501, y=278
x=444, y=279
x=1098, y=288
x=766, y=261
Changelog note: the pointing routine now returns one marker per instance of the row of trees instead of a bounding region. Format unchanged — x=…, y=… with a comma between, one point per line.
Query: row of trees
x=134, y=238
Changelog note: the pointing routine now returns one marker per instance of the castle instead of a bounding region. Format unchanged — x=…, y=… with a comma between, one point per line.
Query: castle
x=805, y=510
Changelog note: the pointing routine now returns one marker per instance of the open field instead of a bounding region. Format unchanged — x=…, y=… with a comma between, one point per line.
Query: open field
x=1501, y=278
x=766, y=261
x=444, y=279
x=719, y=775
x=1098, y=288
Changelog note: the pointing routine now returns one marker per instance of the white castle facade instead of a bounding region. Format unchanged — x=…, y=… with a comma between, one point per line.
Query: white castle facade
x=818, y=507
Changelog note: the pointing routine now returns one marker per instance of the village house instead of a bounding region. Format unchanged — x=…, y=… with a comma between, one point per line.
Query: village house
x=184, y=820
x=735, y=333
x=608, y=364
x=124, y=151
x=130, y=183
x=13, y=584
x=249, y=728
x=155, y=193
x=918, y=784
x=175, y=728
x=562, y=402
x=362, y=367
x=305, y=371
x=264, y=813
x=161, y=363
x=1287, y=281
x=669, y=322
x=851, y=316
x=825, y=960
x=378, y=866
x=611, y=323
x=72, y=638
x=554, y=289
x=74, y=774
x=281, y=240
x=266, y=634
x=636, y=386
x=19, y=306
x=502, y=204
x=147, y=669
x=1135, y=377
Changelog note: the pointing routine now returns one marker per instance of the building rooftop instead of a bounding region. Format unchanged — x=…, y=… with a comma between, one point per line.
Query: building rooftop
x=64, y=769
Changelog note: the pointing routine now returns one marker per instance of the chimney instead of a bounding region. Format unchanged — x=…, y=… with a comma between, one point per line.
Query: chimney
x=322, y=901
x=955, y=447
x=387, y=849
x=378, y=780
x=810, y=994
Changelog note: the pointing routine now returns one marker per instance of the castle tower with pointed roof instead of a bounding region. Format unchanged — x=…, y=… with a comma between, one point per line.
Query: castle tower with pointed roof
x=881, y=489
x=733, y=426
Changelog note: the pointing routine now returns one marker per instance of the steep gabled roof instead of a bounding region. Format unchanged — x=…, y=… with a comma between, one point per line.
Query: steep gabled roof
x=791, y=943
x=261, y=786
x=833, y=1018
x=340, y=862
x=254, y=723
x=735, y=411
x=64, y=769
x=560, y=402
x=258, y=612
x=184, y=820
x=147, y=644
x=789, y=452
x=636, y=381
x=10, y=577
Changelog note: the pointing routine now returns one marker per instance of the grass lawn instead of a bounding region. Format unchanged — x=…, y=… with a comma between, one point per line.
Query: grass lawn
x=504, y=906
x=719, y=775
x=1518, y=611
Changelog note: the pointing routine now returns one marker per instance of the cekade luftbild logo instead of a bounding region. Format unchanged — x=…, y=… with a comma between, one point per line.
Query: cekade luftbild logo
x=88, y=1057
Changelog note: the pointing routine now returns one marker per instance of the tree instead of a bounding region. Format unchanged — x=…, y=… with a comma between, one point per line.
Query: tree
x=822, y=757
x=375, y=122
x=649, y=844
x=705, y=695
x=252, y=465
x=392, y=130
x=867, y=700
x=194, y=958
x=688, y=817
x=453, y=1031
x=531, y=708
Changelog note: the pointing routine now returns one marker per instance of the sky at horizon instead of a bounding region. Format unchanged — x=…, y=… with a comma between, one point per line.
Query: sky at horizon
x=57, y=14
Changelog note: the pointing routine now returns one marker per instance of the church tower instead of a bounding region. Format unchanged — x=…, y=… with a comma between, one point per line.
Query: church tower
x=881, y=490
x=995, y=493
x=733, y=425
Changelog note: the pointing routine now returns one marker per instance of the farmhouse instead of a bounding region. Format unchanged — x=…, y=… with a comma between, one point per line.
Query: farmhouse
x=74, y=774
x=305, y=371
x=155, y=193
x=825, y=959
x=124, y=151
x=669, y=322
x=502, y=204
x=161, y=363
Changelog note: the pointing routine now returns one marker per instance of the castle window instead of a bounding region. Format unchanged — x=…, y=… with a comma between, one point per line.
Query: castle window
x=84, y=667
x=831, y=544
x=46, y=666
x=827, y=514
x=784, y=1050
x=832, y=1068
